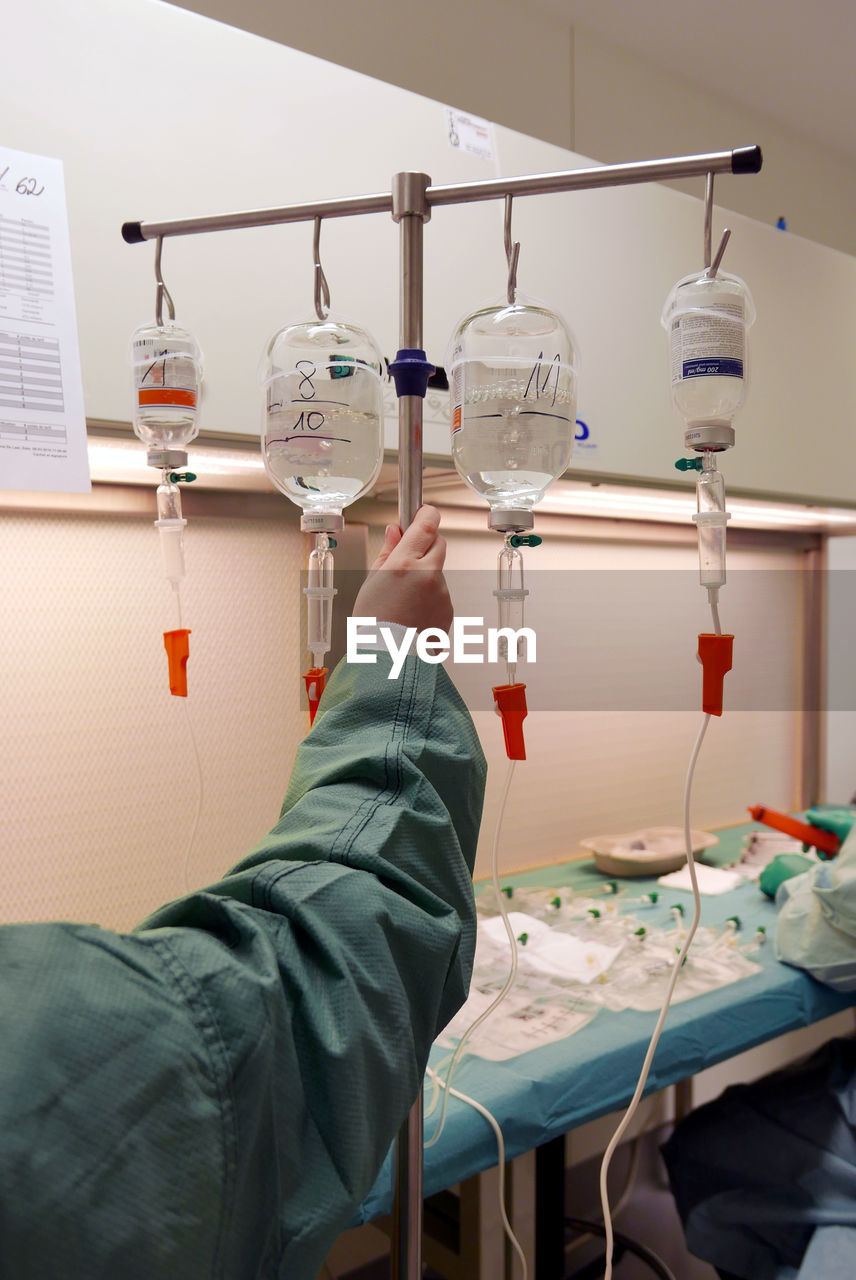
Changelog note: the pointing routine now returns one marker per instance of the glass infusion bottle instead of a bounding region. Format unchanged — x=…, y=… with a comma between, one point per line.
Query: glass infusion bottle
x=707, y=318
x=167, y=376
x=513, y=379
x=322, y=429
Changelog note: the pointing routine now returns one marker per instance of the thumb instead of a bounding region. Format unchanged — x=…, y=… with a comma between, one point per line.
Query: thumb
x=391, y=539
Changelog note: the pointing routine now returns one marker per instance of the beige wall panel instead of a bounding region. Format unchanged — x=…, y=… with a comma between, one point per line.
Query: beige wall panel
x=98, y=785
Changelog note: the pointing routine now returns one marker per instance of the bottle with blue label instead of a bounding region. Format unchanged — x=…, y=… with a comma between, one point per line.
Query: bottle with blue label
x=707, y=317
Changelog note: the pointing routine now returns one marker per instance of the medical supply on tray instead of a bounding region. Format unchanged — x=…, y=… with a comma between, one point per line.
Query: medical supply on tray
x=578, y=954
x=651, y=851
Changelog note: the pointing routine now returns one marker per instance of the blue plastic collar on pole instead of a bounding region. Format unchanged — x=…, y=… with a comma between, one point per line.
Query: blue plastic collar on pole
x=411, y=372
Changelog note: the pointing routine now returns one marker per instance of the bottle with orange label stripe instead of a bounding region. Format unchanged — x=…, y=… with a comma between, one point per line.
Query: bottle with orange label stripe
x=167, y=371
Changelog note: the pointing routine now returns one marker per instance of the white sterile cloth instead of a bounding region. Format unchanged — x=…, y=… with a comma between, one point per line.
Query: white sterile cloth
x=711, y=880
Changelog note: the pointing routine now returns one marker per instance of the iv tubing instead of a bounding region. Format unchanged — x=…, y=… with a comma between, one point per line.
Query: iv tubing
x=199, y=795
x=652, y=1047
x=512, y=973
x=500, y=1146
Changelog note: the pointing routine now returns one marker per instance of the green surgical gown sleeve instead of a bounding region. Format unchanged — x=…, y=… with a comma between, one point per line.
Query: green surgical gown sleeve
x=213, y=1094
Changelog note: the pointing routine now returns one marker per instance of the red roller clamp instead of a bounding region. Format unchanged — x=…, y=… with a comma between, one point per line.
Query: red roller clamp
x=315, y=680
x=511, y=704
x=177, y=652
x=823, y=841
x=714, y=654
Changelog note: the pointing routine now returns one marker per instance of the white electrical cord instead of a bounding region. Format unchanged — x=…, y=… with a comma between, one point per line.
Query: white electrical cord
x=652, y=1047
x=500, y=1146
x=509, y=982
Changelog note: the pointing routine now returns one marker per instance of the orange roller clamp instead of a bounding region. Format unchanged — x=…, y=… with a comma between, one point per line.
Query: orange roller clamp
x=715, y=655
x=177, y=651
x=511, y=703
x=315, y=680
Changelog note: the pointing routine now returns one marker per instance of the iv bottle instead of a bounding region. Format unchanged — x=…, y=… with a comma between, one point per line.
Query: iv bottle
x=513, y=378
x=167, y=373
x=706, y=319
x=322, y=429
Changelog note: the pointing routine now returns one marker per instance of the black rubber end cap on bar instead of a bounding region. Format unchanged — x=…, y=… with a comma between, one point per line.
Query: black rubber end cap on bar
x=746, y=160
x=132, y=232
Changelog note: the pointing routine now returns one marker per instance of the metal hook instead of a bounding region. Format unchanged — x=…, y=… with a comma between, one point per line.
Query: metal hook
x=512, y=253
x=708, y=218
x=322, y=290
x=711, y=262
x=717, y=257
x=162, y=291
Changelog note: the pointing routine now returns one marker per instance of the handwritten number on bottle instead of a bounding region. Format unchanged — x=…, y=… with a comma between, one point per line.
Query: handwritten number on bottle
x=542, y=380
x=306, y=379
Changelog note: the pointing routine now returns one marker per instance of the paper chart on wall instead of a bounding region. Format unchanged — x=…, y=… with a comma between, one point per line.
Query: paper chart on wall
x=42, y=420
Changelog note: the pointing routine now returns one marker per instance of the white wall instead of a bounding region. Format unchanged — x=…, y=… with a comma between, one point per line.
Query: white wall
x=625, y=107
x=528, y=67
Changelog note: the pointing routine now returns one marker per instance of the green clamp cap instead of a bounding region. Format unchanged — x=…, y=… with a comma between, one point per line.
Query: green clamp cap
x=181, y=477
x=508, y=890
x=735, y=920
x=525, y=540
x=611, y=886
x=593, y=911
x=641, y=932
x=677, y=906
x=556, y=902
x=523, y=939
x=332, y=543
x=689, y=464
x=651, y=897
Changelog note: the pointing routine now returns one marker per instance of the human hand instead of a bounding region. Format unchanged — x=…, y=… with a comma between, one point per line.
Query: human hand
x=406, y=584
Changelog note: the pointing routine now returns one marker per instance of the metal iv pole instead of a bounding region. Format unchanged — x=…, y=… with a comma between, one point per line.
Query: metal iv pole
x=410, y=202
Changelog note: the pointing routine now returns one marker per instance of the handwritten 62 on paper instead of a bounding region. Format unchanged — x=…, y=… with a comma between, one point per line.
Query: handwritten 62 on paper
x=24, y=185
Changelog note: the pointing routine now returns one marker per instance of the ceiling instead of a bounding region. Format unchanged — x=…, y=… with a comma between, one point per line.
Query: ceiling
x=791, y=60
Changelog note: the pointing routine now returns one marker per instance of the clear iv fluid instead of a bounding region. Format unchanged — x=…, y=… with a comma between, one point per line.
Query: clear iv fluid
x=323, y=457
x=514, y=444
x=322, y=433
x=167, y=373
x=513, y=384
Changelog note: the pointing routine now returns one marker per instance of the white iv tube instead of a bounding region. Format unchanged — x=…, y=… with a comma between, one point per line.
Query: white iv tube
x=319, y=593
x=711, y=519
x=170, y=526
x=510, y=595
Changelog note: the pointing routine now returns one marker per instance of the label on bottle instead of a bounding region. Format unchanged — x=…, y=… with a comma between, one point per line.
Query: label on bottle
x=709, y=343
x=457, y=393
x=164, y=375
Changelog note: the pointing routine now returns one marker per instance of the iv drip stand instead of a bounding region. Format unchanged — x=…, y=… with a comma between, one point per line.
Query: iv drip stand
x=410, y=202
